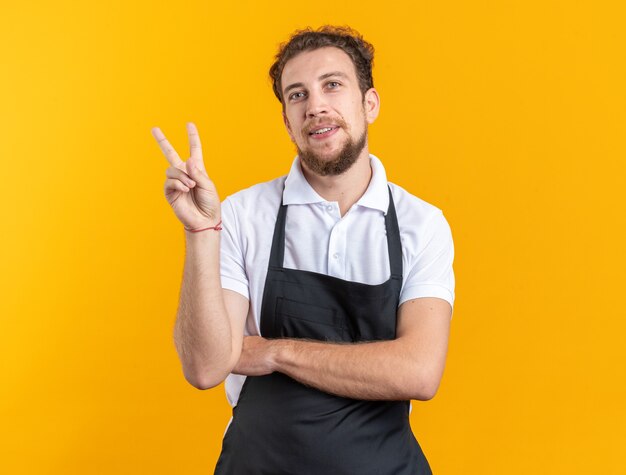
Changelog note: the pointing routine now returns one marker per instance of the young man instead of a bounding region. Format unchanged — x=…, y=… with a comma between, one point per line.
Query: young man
x=325, y=299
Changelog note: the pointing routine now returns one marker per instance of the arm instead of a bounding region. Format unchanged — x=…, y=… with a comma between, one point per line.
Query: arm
x=409, y=367
x=208, y=332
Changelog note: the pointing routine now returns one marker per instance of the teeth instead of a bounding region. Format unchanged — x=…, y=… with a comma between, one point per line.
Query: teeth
x=323, y=131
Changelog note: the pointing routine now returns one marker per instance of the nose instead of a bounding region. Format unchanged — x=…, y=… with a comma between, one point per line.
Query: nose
x=316, y=105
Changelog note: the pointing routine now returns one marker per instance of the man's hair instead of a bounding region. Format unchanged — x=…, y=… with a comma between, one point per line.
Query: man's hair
x=345, y=38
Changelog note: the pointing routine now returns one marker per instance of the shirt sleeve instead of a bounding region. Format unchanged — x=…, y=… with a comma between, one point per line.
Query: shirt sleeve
x=430, y=272
x=232, y=265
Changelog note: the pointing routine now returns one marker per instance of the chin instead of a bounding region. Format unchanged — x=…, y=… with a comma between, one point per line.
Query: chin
x=334, y=161
x=326, y=156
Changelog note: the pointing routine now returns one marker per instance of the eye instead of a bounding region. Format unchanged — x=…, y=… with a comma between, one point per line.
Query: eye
x=333, y=84
x=296, y=95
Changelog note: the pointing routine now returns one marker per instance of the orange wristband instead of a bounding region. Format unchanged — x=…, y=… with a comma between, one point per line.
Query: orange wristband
x=217, y=227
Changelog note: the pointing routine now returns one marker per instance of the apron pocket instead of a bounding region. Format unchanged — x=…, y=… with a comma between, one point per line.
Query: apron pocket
x=303, y=320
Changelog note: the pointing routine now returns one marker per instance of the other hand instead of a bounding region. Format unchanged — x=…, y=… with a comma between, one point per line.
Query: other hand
x=257, y=357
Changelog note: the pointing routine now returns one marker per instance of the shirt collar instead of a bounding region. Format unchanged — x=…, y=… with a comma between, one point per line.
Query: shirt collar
x=298, y=191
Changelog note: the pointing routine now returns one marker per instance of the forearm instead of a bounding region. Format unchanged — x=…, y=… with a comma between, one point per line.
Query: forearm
x=203, y=333
x=382, y=370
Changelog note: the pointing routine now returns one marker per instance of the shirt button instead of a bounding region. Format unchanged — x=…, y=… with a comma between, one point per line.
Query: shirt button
x=335, y=256
x=329, y=208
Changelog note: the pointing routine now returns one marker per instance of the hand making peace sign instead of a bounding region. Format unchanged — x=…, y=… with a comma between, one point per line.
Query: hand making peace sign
x=188, y=189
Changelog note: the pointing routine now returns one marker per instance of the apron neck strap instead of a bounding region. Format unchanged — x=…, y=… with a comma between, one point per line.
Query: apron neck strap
x=394, y=244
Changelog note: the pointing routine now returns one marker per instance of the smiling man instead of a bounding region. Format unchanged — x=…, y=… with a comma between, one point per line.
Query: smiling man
x=328, y=143
x=324, y=297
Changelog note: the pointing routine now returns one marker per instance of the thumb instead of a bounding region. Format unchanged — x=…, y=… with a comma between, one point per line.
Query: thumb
x=197, y=175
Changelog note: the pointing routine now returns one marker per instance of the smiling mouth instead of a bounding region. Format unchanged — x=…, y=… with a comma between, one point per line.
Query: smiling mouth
x=323, y=130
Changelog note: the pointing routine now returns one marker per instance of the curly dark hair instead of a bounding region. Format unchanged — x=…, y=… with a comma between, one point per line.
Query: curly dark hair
x=345, y=38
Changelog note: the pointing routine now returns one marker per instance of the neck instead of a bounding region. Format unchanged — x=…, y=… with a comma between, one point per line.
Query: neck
x=347, y=188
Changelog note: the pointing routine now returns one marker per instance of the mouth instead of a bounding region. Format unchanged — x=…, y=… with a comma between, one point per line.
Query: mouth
x=323, y=132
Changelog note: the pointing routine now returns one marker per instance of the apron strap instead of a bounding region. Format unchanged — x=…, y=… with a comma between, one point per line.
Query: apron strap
x=394, y=244
x=278, y=241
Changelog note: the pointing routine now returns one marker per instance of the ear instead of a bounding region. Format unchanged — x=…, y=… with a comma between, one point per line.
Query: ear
x=371, y=104
x=288, y=126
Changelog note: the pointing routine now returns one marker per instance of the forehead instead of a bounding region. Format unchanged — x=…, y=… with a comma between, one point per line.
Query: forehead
x=310, y=65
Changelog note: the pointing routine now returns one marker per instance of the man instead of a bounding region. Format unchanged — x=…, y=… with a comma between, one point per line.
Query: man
x=325, y=297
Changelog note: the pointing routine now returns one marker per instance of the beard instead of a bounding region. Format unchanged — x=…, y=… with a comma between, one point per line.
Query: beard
x=340, y=163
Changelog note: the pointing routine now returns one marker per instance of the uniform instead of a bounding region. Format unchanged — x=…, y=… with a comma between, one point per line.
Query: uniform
x=310, y=273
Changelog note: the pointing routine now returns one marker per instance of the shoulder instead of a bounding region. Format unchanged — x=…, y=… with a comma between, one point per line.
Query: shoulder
x=249, y=215
x=413, y=212
x=256, y=199
x=423, y=227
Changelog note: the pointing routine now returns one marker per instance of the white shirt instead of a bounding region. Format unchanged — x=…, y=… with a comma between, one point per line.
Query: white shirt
x=318, y=239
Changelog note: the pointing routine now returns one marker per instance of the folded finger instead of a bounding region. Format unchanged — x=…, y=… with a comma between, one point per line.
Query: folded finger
x=177, y=173
x=171, y=184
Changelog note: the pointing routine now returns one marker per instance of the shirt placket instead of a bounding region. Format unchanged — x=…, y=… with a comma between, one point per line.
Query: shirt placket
x=337, y=244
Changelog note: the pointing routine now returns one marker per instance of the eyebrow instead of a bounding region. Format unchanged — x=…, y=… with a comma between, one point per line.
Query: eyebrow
x=322, y=77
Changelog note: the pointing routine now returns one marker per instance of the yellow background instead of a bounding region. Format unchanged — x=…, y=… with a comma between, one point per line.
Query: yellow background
x=508, y=115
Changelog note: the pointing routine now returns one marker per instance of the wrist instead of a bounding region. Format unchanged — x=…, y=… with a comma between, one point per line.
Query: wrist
x=203, y=239
x=281, y=349
x=217, y=226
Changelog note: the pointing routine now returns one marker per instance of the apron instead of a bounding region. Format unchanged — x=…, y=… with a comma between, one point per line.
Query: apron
x=282, y=427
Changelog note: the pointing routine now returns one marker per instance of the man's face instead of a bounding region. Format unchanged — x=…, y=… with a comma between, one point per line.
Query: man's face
x=325, y=112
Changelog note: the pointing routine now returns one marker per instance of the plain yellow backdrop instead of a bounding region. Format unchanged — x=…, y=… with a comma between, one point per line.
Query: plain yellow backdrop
x=507, y=115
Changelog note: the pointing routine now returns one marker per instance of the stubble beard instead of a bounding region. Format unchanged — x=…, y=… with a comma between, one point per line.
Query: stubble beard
x=345, y=158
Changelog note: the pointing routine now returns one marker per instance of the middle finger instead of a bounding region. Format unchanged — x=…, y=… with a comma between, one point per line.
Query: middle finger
x=167, y=148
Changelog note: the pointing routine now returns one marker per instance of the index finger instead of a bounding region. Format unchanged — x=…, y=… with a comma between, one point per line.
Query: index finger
x=167, y=148
x=195, y=148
